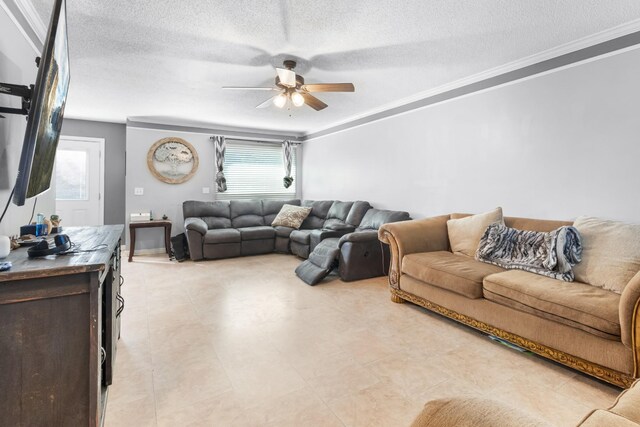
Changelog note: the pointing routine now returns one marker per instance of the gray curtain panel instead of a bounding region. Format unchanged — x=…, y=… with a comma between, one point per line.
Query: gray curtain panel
x=221, y=146
x=287, y=158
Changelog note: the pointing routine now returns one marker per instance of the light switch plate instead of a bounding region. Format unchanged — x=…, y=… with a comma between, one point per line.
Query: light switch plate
x=138, y=191
x=205, y=190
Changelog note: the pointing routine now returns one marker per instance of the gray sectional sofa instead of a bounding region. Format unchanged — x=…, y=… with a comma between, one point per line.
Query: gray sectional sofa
x=225, y=229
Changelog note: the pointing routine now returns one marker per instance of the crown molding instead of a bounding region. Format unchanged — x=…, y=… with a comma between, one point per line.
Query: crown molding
x=397, y=107
x=30, y=13
x=227, y=131
x=27, y=20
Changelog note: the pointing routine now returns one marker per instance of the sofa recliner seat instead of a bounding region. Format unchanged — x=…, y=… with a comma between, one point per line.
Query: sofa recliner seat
x=257, y=233
x=348, y=250
x=222, y=235
x=301, y=236
x=589, y=329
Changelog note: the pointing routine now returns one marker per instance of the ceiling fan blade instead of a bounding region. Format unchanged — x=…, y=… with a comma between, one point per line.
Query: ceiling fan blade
x=266, y=103
x=313, y=102
x=248, y=88
x=329, y=87
x=287, y=77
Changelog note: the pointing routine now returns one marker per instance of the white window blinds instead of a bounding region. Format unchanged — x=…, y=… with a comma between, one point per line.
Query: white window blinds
x=255, y=171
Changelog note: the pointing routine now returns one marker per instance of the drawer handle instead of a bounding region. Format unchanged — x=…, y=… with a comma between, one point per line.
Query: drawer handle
x=103, y=355
x=121, y=308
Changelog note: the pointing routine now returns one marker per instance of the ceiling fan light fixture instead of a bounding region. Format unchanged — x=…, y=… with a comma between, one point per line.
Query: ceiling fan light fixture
x=297, y=99
x=280, y=100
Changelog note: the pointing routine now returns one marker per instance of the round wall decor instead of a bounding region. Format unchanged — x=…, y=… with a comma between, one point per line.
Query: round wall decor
x=172, y=160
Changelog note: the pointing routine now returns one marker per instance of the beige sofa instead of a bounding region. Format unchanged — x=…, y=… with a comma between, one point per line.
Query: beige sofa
x=581, y=326
x=475, y=412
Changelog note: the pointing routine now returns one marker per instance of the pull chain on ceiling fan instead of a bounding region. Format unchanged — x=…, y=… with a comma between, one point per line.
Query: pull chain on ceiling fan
x=291, y=87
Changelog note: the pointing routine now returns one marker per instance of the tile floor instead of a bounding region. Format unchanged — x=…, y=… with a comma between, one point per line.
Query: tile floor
x=243, y=342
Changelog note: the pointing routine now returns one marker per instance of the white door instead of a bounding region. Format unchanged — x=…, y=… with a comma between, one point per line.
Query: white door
x=79, y=181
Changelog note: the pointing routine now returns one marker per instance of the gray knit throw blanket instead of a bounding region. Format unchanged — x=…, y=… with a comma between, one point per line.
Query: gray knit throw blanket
x=551, y=254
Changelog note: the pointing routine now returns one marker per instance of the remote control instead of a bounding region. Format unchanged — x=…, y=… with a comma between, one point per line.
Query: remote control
x=4, y=266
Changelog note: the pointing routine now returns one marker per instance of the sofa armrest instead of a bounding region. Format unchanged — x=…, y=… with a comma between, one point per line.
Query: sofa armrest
x=630, y=317
x=408, y=237
x=196, y=224
x=359, y=237
x=344, y=228
x=318, y=236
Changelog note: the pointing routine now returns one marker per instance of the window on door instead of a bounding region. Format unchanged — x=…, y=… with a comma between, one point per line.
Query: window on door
x=72, y=182
x=255, y=171
x=79, y=181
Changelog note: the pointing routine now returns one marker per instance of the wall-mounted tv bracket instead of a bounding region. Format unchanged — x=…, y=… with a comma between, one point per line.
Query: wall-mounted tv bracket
x=25, y=92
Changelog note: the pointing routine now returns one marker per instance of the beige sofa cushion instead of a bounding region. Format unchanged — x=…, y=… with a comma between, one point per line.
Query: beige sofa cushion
x=456, y=273
x=572, y=303
x=628, y=403
x=602, y=418
x=610, y=254
x=473, y=412
x=465, y=233
x=624, y=412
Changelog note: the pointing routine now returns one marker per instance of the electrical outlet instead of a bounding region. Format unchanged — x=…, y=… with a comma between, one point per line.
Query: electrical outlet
x=138, y=191
x=205, y=190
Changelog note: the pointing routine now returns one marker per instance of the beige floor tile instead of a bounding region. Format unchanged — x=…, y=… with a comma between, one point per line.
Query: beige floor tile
x=138, y=413
x=378, y=405
x=556, y=408
x=409, y=373
x=244, y=342
x=341, y=380
x=220, y=410
x=298, y=408
x=130, y=387
x=268, y=379
x=600, y=394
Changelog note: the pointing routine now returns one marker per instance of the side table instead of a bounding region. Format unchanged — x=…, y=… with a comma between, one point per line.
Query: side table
x=133, y=226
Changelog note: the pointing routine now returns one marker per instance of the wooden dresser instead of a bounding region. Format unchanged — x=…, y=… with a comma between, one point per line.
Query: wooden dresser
x=59, y=326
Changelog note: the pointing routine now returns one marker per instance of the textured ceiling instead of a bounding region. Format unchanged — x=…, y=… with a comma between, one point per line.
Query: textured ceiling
x=167, y=59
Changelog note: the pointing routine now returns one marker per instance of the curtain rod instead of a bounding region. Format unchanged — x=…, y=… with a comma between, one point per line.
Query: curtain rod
x=261, y=140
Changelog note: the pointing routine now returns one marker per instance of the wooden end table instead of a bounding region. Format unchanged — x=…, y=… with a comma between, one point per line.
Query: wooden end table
x=133, y=226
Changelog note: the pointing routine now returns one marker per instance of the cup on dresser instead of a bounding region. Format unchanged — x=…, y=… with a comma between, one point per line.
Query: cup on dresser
x=5, y=246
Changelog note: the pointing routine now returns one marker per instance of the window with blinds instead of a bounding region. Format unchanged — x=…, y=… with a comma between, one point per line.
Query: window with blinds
x=255, y=171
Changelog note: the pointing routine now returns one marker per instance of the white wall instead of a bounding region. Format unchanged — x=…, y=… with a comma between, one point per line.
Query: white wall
x=17, y=66
x=554, y=146
x=158, y=196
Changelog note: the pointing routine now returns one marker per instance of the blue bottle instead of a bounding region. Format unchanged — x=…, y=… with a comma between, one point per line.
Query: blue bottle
x=40, y=231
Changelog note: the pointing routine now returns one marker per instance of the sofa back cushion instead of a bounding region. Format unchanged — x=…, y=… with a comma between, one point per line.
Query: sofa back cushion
x=465, y=233
x=214, y=214
x=318, y=215
x=337, y=214
x=271, y=208
x=610, y=253
x=246, y=213
x=357, y=212
x=374, y=218
x=530, y=224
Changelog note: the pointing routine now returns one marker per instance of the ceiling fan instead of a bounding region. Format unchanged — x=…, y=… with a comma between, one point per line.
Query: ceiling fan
x=292, y=89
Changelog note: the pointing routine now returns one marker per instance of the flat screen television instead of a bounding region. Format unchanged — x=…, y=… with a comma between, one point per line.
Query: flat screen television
x=47, y=109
